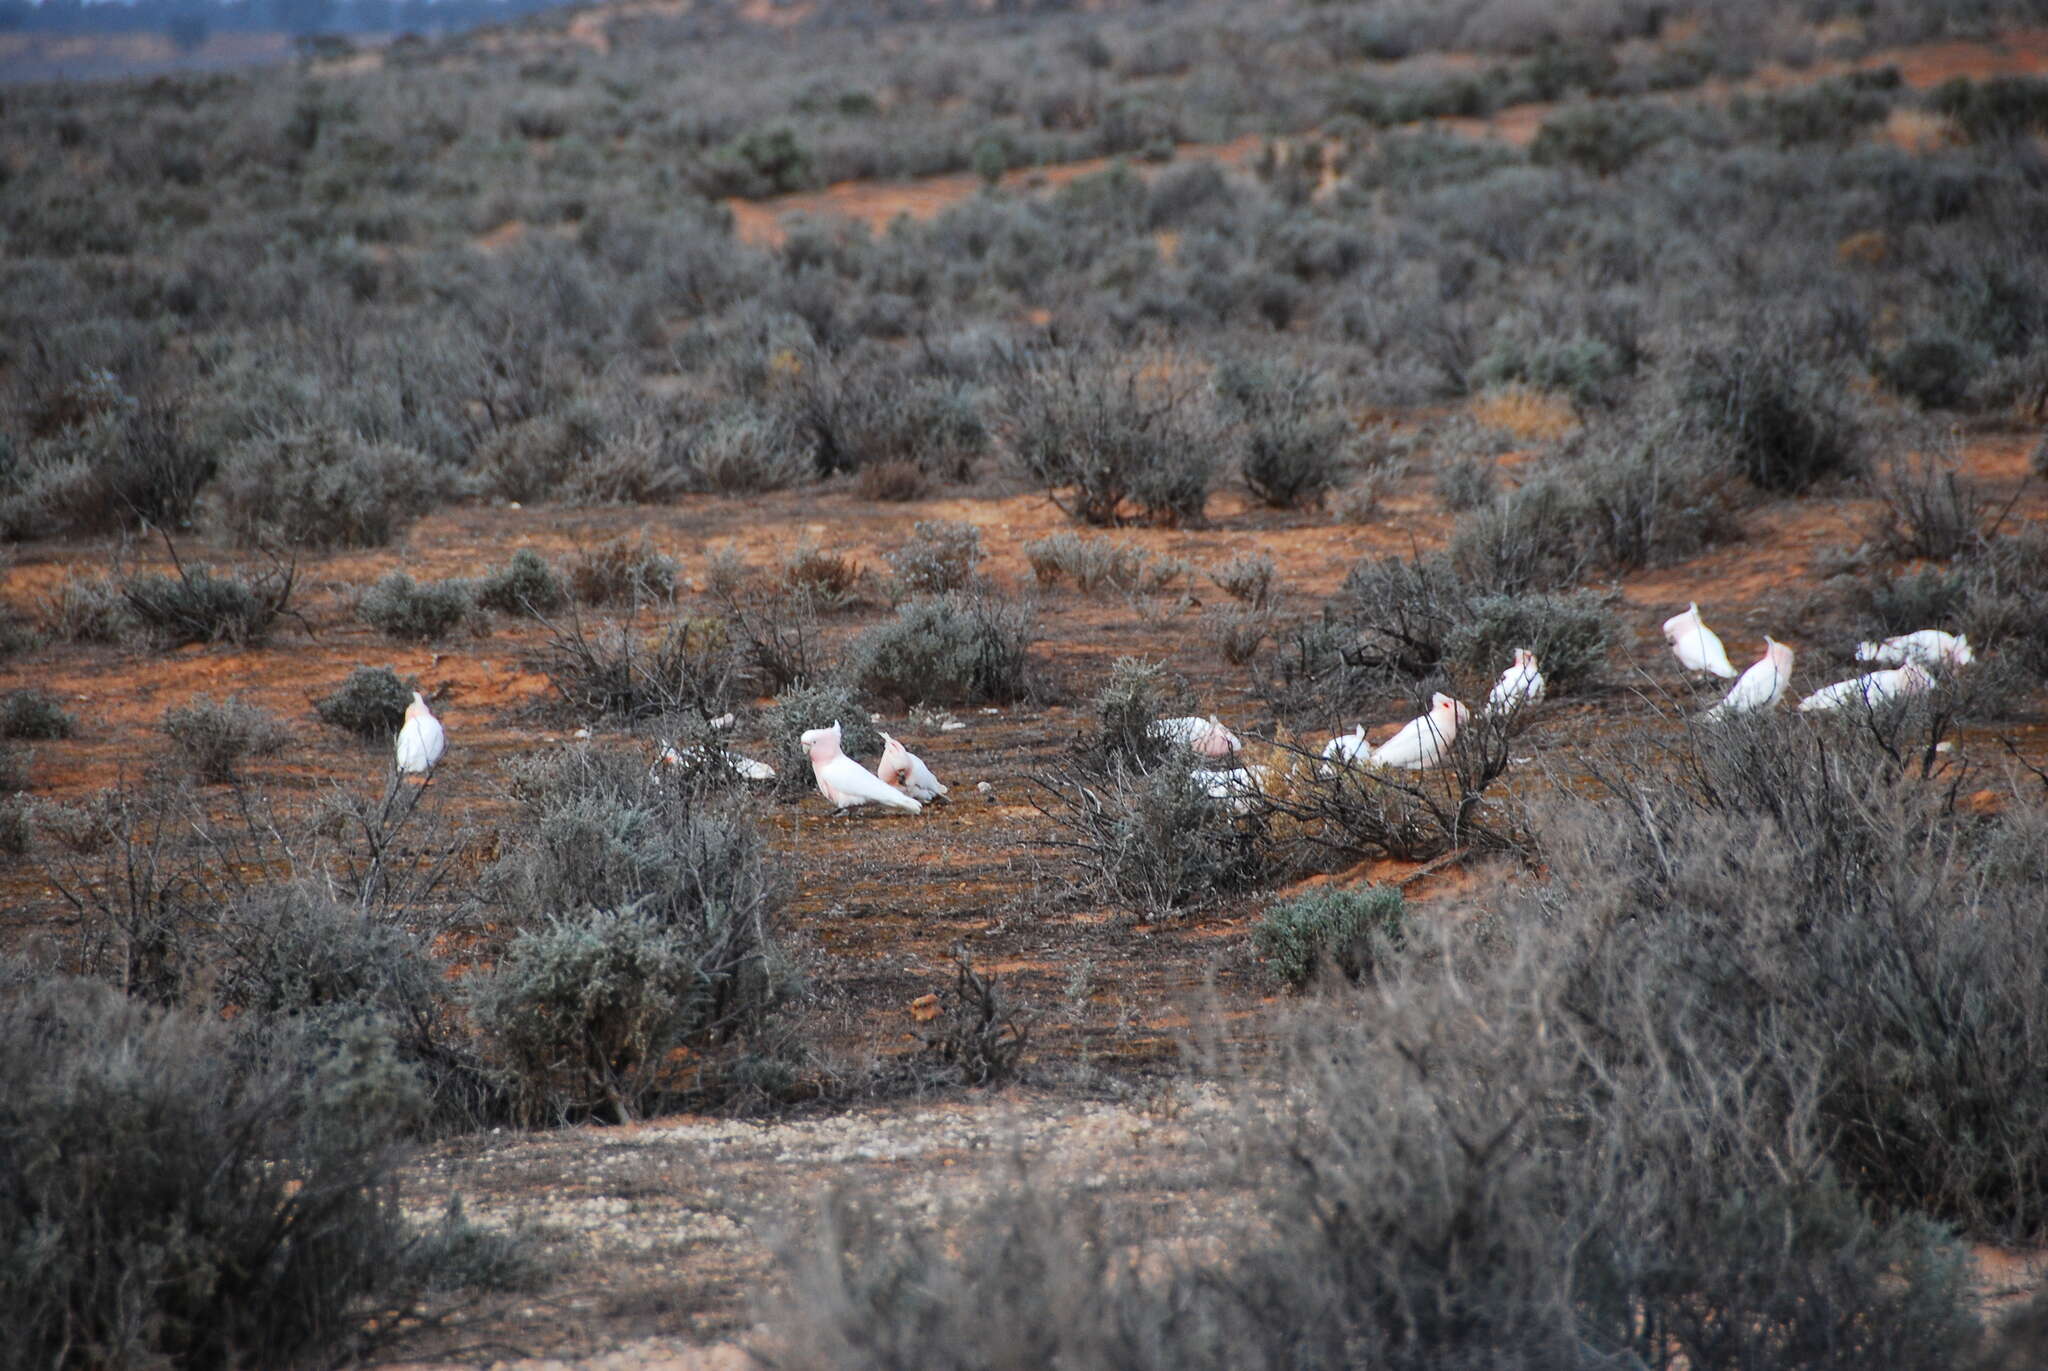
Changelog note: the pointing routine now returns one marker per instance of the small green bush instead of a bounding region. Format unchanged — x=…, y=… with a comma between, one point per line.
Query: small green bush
x=1290, y=439
x=948, y=649
x=1779, y=418
x=940, y=556
x=328, y=488
x=1109, y=448
x=33, y=714
x=1101, y=563
x=1934, y=370
x=405, y=608
x=214, y=738
x=1569, y=634
x=583, y=1013
x=1337, y=928
x=88, y=609
x=175, y=1198
x=525, y=584
x=623, y=572
x=201, y=605
x=371, y=703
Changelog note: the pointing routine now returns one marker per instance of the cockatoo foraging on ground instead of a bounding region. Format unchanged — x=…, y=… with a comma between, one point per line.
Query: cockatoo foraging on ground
x=1697, y=647
x=845, y=782
x=1930, y=647
x=1521, y=684
x=1346, y=749
x=1203, y=737
x=1877, y=688
x=1762, y=686
x=1238, y=786
x=746, y=768
x=421, y=741
x=906, y=771
x=1425, y=741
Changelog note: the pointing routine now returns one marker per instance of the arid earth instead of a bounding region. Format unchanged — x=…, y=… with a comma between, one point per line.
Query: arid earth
x=658, y=1234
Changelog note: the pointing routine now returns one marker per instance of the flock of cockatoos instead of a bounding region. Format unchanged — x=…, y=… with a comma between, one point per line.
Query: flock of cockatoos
x=901, y=780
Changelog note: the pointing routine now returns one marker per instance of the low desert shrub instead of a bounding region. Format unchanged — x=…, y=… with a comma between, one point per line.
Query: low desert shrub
x=1935, y=370
x=980, y=1036
x=1290, y=439
x=1109, y=448
x=404, y=608
x=1569, y=634
x=371, y=703
x=1528, y=539
x=584, y=1013
x=103, y=461
x=1137, y=695
x=527, y=583
x=1929, y=508
x=215, y=737
x=1998, y=109
x=1779, y=418
x=327, y=488
x=829, y=579
x=1237, y=631
x=1246, y=578
x=33, y=714
x=1101, y=563
x=175, y=1197
x=948, y=649
x=1339, y=928
x=87, y=609
x=620, y=671
x=1153, y=838
x=1467, y=482
x=201, y=605
x=940, y=556
x=623, y=572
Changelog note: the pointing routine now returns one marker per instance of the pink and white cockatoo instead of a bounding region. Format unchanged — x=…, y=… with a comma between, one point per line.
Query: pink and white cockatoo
x=1425, y=741
x=1872, y=690
x=845, y=782
x=1697, y=647
x=1930, y=647
x=1346, y=749
x=1521, y=684
x=906, y=771
x=1203, y=737
x=1762, y=686
x=422, y=740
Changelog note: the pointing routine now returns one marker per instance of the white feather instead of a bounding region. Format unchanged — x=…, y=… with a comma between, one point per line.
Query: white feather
x=1930, y=647
x=1697, y=647
x=746, y=768
x=1760, y=687
x=1346, y=749
x=1521, y=684
x=422, y=740
x=1238, y=785
x=906, y=771
x=1424, y=741
x=845, y=782
x=1871, y=690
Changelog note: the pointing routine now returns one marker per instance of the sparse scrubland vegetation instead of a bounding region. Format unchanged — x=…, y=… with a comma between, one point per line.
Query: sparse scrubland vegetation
x=1619, y=1038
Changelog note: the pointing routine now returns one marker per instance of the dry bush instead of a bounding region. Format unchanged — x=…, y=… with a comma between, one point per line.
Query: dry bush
x=1110, y=447
x=201, y=605
x=1101, y=563
x=328, y=488
x=215, y=737
x=371, y=703
x=1929, y=508
x=940, y=556
x=401, y=607
x=951, y=649
x=616, y=670
x=623, y=572
x=829, y=579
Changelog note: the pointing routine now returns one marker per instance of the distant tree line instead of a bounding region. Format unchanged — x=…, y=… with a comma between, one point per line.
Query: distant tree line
x=189, y=22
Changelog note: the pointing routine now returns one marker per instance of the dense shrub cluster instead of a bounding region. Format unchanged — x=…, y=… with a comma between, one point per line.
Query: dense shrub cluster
x=951, y=649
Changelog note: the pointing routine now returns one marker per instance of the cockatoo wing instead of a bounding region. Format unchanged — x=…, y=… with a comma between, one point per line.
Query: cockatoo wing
x=1419, y=744
x=846, y=782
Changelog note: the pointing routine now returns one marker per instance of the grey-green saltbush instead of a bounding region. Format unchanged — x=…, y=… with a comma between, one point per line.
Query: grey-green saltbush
x=948, y=649
x=1335, y=928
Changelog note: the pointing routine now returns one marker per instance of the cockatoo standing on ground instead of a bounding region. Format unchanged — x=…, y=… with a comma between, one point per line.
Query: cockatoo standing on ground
x=1697, y=647
x=421, y=741
x=1521, y=684
x=1930, y=647
x=1346, y=749
x=1762, y=686
x=1872, y=690
x=906, y=771
x=1204, y=737
x=746, y=768
x=1425, y=741
x=845, y=782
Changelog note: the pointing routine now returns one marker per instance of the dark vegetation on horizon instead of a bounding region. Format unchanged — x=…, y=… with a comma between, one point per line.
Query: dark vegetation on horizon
x=1751, y=1048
